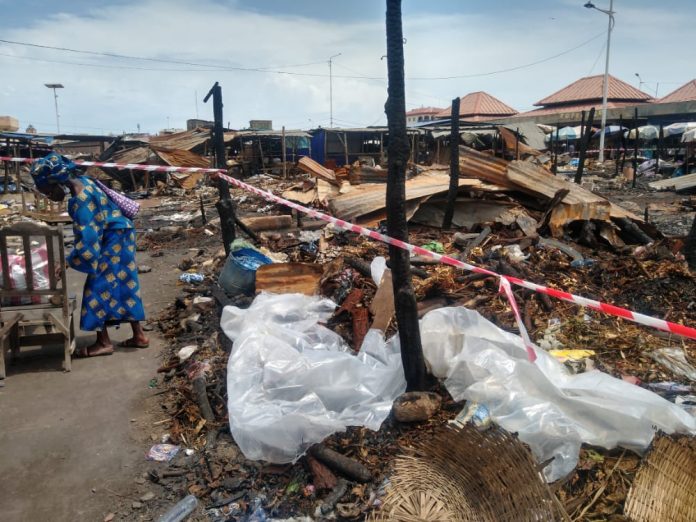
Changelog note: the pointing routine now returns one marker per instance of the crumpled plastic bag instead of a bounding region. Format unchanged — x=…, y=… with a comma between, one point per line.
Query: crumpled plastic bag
x=291, y=382
x=553, y=411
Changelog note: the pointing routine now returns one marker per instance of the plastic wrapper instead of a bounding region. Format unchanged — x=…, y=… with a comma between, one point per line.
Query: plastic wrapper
x=675, y=360
x=553, y=411
x=18, y=272
x=291, y=382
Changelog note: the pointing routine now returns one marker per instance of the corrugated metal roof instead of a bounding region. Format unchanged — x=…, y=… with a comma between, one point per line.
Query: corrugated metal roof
x=229, y=136
x=423, y=111
x=686, y=92
x=590, y=88
x=134, y=155
x=365, y=204
x=186, y=140
x=574, y=107
x=479, y=106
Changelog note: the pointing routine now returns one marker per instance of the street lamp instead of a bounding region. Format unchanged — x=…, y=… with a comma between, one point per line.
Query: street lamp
x=605, y=89
x=641, y=83
x=55, y=86
x=331, y=88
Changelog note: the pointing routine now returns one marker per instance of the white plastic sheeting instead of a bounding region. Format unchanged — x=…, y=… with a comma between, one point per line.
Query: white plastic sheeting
x=292, y=382
x=553, y=411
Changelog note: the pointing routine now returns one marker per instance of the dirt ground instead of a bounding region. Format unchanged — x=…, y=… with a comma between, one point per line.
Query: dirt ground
x=71, y=444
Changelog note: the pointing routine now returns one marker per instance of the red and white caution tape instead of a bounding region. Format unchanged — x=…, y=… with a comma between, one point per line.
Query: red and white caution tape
x=505, y=281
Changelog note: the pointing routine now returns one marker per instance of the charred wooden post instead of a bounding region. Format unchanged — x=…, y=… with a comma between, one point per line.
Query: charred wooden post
x=454, y=165
x=225, y=206
x=555, y=151
x=658, y=152
x=635, y=147
x=587, y=133
x=285, y=155
x=690, y=246
x=616, y=160
x=517, y=143
x=397, y=226
x=203, y=216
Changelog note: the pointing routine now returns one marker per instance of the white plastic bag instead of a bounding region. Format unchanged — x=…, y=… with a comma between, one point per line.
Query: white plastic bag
x=553, y=411
x=292, y=382
x=18, y=272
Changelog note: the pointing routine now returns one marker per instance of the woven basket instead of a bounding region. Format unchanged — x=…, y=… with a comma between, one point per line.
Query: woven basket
x=466, y=475
x=665, y=485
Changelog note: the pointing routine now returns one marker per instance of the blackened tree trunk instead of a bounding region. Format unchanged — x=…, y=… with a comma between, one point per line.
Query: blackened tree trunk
x=397, y=226
x=690, y=247
x=454, y=165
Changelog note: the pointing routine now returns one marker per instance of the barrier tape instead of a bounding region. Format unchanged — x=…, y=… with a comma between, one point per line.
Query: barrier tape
x=505, y=281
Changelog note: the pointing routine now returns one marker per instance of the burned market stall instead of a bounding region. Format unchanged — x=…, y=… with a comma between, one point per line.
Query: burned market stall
x=252, y=152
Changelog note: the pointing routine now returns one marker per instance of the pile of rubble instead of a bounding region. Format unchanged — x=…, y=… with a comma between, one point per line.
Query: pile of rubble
x=591, y=251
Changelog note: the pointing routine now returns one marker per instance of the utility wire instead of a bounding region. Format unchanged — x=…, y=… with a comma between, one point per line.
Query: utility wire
x=599, y=55
x=274, y=71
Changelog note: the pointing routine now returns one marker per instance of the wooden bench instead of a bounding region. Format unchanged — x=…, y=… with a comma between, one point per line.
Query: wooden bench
x=46, y=313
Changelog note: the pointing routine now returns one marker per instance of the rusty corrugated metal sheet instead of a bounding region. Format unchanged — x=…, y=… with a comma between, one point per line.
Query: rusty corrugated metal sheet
x=134, y=155
x=181, y=158
x=186, y=140
x=591, y=87
x=479, y=165
x=365, y=204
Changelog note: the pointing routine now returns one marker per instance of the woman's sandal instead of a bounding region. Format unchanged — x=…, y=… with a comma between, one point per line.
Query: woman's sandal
x=83, y=353
x=132, y=343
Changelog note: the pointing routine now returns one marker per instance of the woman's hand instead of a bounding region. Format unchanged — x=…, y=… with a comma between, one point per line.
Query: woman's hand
x=58, y=272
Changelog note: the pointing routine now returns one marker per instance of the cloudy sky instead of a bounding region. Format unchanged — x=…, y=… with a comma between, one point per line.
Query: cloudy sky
x=271, y=57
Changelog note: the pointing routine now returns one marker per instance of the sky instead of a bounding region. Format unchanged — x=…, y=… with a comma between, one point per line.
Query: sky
x=271, y=57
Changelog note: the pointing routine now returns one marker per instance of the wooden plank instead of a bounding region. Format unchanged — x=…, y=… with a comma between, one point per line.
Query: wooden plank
x=382, y=306
x=310, y=166
x=28, y=263
x=680, y=183
x=289, y=278
x=256, y=224
x=50, y=251
x=5, y=263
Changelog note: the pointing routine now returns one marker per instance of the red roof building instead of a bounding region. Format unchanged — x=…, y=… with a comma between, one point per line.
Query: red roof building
x=479, y=106
x=686, y=92
x=586, y=93
x=421, y=114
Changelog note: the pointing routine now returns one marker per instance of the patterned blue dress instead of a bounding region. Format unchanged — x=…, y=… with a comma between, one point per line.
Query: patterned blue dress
x=105, y=250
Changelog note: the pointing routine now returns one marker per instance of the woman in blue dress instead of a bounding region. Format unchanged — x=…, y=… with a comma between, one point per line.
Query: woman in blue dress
x=104, y=249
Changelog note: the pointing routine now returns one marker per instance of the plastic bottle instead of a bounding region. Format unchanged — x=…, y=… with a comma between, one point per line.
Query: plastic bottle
x=181, y=510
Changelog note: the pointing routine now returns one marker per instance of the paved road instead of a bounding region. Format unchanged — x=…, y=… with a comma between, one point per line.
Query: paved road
x=70, y=442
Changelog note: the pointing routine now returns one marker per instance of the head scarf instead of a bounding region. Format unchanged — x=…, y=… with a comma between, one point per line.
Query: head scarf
x=53, y=169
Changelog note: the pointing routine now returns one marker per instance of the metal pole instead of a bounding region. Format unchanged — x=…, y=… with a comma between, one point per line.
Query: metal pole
x=55, y=100
x=330, y=94
x=606, y=83
x=331, y=88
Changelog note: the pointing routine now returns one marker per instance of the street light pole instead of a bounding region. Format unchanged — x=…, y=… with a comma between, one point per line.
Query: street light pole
x=605, y=87
x=640, y=82
x=331, y=88
x=55, y=86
